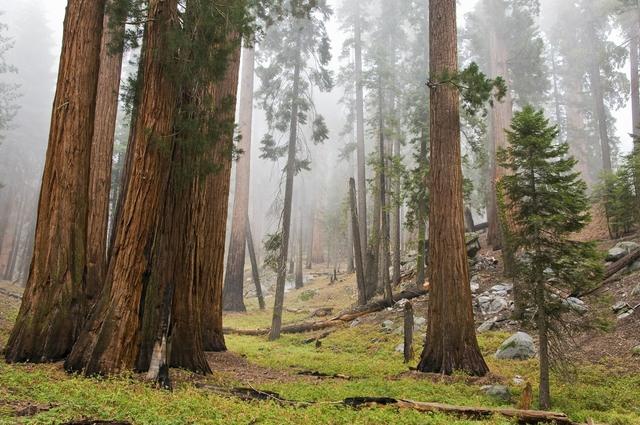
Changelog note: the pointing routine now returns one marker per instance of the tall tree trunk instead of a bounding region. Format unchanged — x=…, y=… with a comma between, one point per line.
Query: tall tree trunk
x=544, y=392
x=310, y=241
x=556, y=90
x=101, y=157
x=17, y=246
x=254, y=266
x=360, y=153
x=234, y=275
x=372, y=263
x=299, y=281
x=108, y=341
x=396, y=220
x=384, y=243
x=451, y=341
x=213, y=214
x=357, y=247
x=54, y=304
x=635, y=84
x=288, y=198
x=422, y=218
x=595, y=80
x=501, y=114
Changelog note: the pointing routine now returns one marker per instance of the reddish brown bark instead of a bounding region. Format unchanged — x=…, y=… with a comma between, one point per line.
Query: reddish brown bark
x=54, y=307
x=108, y=341
x=451, y=341
x=101, y=158
x=234, y=276
x=501, y=115
x=213, y=213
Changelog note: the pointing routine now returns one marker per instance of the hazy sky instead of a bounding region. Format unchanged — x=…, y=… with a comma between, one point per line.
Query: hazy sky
x=55, y=9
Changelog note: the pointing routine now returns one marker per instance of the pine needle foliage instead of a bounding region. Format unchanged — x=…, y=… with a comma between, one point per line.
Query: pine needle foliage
x=547, y=203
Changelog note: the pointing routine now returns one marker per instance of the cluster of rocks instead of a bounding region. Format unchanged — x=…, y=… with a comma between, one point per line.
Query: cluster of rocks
x=622, y=310
x=621, y=250
x=493, y=301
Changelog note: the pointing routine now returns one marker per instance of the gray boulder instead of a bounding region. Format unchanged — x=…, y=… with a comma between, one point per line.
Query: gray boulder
x=628, y=246
x=576, y=304
x=635, y=351
x=634, y=267
x=387, y=325
x=620, y=307
x=487, y=326
x=500, y=392
x=615, y=253
x=518, y=346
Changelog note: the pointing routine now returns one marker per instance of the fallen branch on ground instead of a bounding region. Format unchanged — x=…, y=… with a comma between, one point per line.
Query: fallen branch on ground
x=521, y=416
x=323, y=375
x=613, y=269
x=342, y=318
x=10, y=294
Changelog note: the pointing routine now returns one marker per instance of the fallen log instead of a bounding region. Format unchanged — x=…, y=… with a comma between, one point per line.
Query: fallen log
x=613, y=269
x=323, y=375
x=342, y=318
x=520, y=416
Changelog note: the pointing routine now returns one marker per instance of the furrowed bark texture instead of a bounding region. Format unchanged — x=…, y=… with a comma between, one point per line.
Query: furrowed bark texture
x=451, y=341
x=213, y=213
x=234, y=277
x=108, y=342
x=101, y=159
x=54, y=307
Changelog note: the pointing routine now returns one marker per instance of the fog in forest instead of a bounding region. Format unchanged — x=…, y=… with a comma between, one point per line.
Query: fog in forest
x=31, y=40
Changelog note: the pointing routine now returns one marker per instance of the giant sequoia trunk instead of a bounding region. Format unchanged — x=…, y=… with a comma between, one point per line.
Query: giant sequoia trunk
x=101, y=157
x=108, y=342
x=451, y=341
x=234, y=277
x=276, y=322
x=501, y=114
x=54, y=305
x=212, y=217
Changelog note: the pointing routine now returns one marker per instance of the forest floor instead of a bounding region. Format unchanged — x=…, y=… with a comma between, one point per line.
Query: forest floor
x=601, y=384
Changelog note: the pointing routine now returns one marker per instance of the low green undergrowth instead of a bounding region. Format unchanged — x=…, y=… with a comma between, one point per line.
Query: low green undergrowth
x=366, y=354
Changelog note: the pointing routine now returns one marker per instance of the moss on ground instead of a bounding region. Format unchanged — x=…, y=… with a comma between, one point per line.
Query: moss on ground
x=607, y=394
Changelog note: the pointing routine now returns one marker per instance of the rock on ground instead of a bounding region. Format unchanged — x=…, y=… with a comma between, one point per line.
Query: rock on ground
x=518, y=346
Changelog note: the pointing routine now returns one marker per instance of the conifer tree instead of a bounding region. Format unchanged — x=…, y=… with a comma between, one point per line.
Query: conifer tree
x=294, y=58
x=547, y=202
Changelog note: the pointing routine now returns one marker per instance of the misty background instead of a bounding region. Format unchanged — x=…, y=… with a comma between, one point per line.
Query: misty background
x=35, y=30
